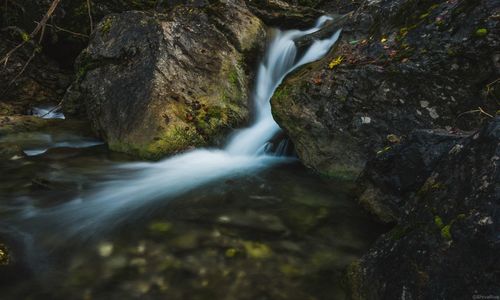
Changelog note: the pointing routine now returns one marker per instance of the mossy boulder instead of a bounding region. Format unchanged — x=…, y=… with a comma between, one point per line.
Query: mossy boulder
x=155, y=84
x=398, y=66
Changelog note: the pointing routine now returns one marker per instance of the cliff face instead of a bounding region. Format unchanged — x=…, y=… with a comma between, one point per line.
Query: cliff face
x=400, y=66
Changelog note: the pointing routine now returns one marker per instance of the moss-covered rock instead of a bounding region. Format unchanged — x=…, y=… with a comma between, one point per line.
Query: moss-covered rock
x=398, y=66
x=156, y=84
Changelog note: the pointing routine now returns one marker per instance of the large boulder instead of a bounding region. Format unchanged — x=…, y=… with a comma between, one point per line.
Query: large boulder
x=399, y=66
x=446, y=242
x=155, y=84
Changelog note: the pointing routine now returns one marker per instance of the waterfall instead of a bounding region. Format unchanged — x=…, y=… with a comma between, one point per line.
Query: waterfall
x=116, y=201
x=281, y=59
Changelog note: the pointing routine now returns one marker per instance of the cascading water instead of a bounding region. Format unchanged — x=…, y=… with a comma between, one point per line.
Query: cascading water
x=116, y=201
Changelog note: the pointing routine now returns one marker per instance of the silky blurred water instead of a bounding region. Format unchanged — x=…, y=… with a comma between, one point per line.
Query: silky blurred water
x=81, y=222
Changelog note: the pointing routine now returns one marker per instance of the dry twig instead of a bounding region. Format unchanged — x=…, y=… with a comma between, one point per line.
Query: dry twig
x=90, y=17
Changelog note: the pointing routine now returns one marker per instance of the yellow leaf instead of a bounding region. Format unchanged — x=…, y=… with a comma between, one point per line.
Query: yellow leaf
x=335, y=62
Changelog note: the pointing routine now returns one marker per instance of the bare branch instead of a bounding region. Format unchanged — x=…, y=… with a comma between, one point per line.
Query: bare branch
x=90, y=17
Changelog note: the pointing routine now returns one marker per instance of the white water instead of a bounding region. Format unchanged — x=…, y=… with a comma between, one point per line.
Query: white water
x=116, y=201
x=48, y=112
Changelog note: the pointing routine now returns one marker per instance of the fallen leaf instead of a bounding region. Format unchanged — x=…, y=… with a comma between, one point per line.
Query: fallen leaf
x=335, y=62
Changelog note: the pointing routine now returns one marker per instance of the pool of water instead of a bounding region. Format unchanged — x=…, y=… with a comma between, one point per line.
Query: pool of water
x=281, y=233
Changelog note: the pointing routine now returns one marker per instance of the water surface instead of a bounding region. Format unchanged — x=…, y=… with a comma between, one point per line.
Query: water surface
x=239, y=222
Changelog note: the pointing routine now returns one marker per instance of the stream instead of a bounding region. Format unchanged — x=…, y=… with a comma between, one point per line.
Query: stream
x=242, y=222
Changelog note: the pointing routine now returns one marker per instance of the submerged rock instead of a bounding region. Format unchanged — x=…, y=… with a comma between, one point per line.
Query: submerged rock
x=155, y=84
x=399, y=66
x=446, y=241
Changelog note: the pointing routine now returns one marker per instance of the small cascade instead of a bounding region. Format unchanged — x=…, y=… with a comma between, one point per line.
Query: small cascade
x=48, y=112
x=246, y=152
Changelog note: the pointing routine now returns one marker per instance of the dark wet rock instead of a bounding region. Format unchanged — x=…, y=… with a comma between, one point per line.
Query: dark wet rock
x=446, y=241
x=301, y=14
x=399, y=66
x=400, y=170
x=153, y=84
x=284, y=15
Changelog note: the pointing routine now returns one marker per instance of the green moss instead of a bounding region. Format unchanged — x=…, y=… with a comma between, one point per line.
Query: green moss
x=281, y=93
x=85, y=64
x=174, y=140
x=446, y=232
x=423, y=16
x=444, y=229
x=439, y=222
x=257, y=250
x=106, y=25
x=210, y=120
x=437, y=186
x=481, y=32
x=233, y=77
x=231, y=252
x=81, y=72
x=25, y=36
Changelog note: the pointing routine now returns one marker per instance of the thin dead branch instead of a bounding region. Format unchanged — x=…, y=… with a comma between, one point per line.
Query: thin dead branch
x=58, y=106
x=40, y=28
x=66, y=30
x=478, y=110
x=90, y=17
